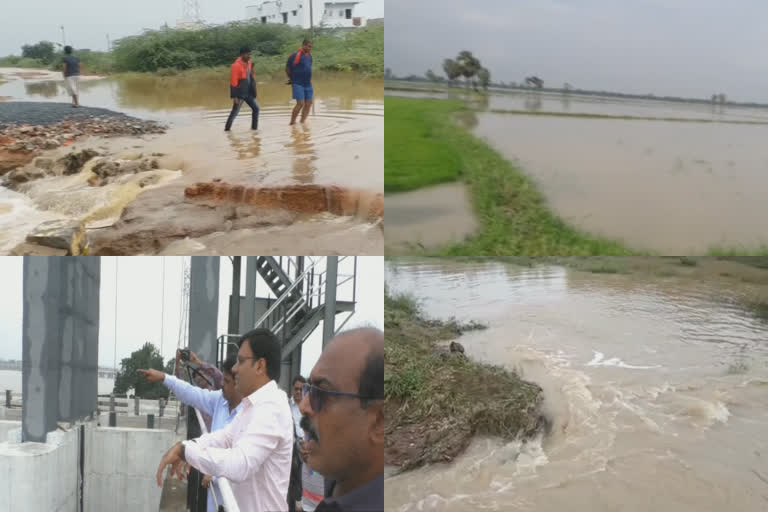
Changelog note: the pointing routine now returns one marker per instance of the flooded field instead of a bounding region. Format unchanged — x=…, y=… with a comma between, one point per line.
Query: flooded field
x=340, y=144
x=655, y=383
x=673, y=188
x=682, y=186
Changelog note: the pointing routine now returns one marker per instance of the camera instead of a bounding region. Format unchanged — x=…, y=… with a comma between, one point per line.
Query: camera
x=185, y=354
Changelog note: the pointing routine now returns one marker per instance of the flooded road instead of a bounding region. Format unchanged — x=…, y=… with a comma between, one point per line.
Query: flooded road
x=655, y=382
x=341, y=144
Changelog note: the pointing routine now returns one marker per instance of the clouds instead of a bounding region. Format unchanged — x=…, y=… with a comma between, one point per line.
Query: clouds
x=683, y=47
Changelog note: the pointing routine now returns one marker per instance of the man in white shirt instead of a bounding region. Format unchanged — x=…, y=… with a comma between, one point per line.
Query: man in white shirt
x=222, y=406
x=343, y=418
x=254, y=451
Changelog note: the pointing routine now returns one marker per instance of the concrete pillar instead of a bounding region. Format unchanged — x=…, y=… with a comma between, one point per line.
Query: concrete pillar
x=204, y=306
x=112, y=403
x=112, y=419
x=8, y=397
x=329, y=320
x=249, y=306
x=59, y=342
x=233, y=324
x=136, y=405
x=161, y=406
x=150, y=421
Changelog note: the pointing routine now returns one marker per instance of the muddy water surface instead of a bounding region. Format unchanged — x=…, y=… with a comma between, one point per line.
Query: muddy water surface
x=669, y=187
x=656, y=387
x=341, y=143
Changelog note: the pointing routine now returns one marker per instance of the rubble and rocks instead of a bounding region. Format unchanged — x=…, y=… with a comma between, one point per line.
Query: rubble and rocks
x=107, y=170
x=29, y=128
x=74, y=162
x=57, y=234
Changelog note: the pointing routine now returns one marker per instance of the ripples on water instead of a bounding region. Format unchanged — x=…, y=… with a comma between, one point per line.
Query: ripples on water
x=654, y=387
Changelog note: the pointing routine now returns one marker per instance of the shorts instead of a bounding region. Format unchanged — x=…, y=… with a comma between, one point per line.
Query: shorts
x=302, y=93
x=72, y=84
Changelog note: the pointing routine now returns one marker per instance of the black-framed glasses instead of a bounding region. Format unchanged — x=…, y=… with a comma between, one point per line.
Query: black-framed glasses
x=241, y=360
x=317, y=396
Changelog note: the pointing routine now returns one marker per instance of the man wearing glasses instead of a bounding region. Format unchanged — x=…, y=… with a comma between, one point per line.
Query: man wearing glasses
x=343, y=418
x=254, y=450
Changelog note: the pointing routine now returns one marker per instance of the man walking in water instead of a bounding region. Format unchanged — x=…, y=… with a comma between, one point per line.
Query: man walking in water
x=72, y=70
x=299, y=71
x=242, y=88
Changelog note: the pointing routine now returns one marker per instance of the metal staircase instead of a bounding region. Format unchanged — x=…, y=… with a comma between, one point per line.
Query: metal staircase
x=299, y=303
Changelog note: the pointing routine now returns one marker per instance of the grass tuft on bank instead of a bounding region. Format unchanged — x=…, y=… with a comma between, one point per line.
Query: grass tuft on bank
x=436, y=401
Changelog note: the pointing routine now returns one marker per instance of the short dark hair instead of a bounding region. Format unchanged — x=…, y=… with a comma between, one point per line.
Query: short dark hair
x=298, y=378
x=372, y=378
x=228, y=364
x=306, y=41
x=265, y=345
x=244, y=49
x=67, y=49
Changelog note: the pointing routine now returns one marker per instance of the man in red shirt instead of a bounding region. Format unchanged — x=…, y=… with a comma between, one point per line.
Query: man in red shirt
x=242, y=88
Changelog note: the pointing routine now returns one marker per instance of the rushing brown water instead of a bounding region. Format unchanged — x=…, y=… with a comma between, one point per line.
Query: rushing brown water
x=656, y=387
x=341, y=144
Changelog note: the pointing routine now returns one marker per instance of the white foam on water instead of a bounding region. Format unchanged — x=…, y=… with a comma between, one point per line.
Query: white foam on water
x=599, y=360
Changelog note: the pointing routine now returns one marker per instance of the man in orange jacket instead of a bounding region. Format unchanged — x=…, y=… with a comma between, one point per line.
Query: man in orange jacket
x=242, y=88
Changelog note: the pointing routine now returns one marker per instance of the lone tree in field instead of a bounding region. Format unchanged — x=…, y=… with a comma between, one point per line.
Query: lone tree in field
x=452, y=70
x=470, y=65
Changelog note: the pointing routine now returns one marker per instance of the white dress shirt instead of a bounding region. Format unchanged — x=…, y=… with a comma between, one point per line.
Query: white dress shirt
x=253, y=452
x=208, y=402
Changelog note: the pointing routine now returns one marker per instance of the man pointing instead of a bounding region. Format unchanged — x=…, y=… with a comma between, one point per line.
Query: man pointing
x=254, y=450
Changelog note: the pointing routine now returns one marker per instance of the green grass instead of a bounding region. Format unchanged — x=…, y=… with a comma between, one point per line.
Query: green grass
x=738, y=252
x=13, y=61
x=418, y=152
x=436, y=402
x=425, y=146
x=170, y=51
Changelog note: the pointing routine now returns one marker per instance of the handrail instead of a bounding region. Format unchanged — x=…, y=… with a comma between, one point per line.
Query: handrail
x=230, y=504
x=285, y=294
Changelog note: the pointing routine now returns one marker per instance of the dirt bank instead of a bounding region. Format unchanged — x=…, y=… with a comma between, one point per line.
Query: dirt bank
x=437, y=399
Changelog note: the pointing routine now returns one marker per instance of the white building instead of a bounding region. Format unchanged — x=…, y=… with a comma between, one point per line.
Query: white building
x=318, y=13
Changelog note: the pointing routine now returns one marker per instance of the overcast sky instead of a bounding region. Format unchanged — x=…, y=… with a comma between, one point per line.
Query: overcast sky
x=667, y=47
x=87, y=22
x=140, y=304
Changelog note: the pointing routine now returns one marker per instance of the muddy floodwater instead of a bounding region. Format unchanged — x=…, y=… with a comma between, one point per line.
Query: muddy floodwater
x=341, y=144
x=667, y=187
x=683, y=186
x=655, y=382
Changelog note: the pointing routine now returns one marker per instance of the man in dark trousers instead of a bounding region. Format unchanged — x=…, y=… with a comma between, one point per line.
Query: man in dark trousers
x=299, y=71
x=242, y=88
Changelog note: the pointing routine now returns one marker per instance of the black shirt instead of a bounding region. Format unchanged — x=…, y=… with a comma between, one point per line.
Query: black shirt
x=73, y=66
x=368, y=498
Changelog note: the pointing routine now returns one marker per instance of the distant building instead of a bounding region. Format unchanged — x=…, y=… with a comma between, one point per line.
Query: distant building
x=306, y=13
